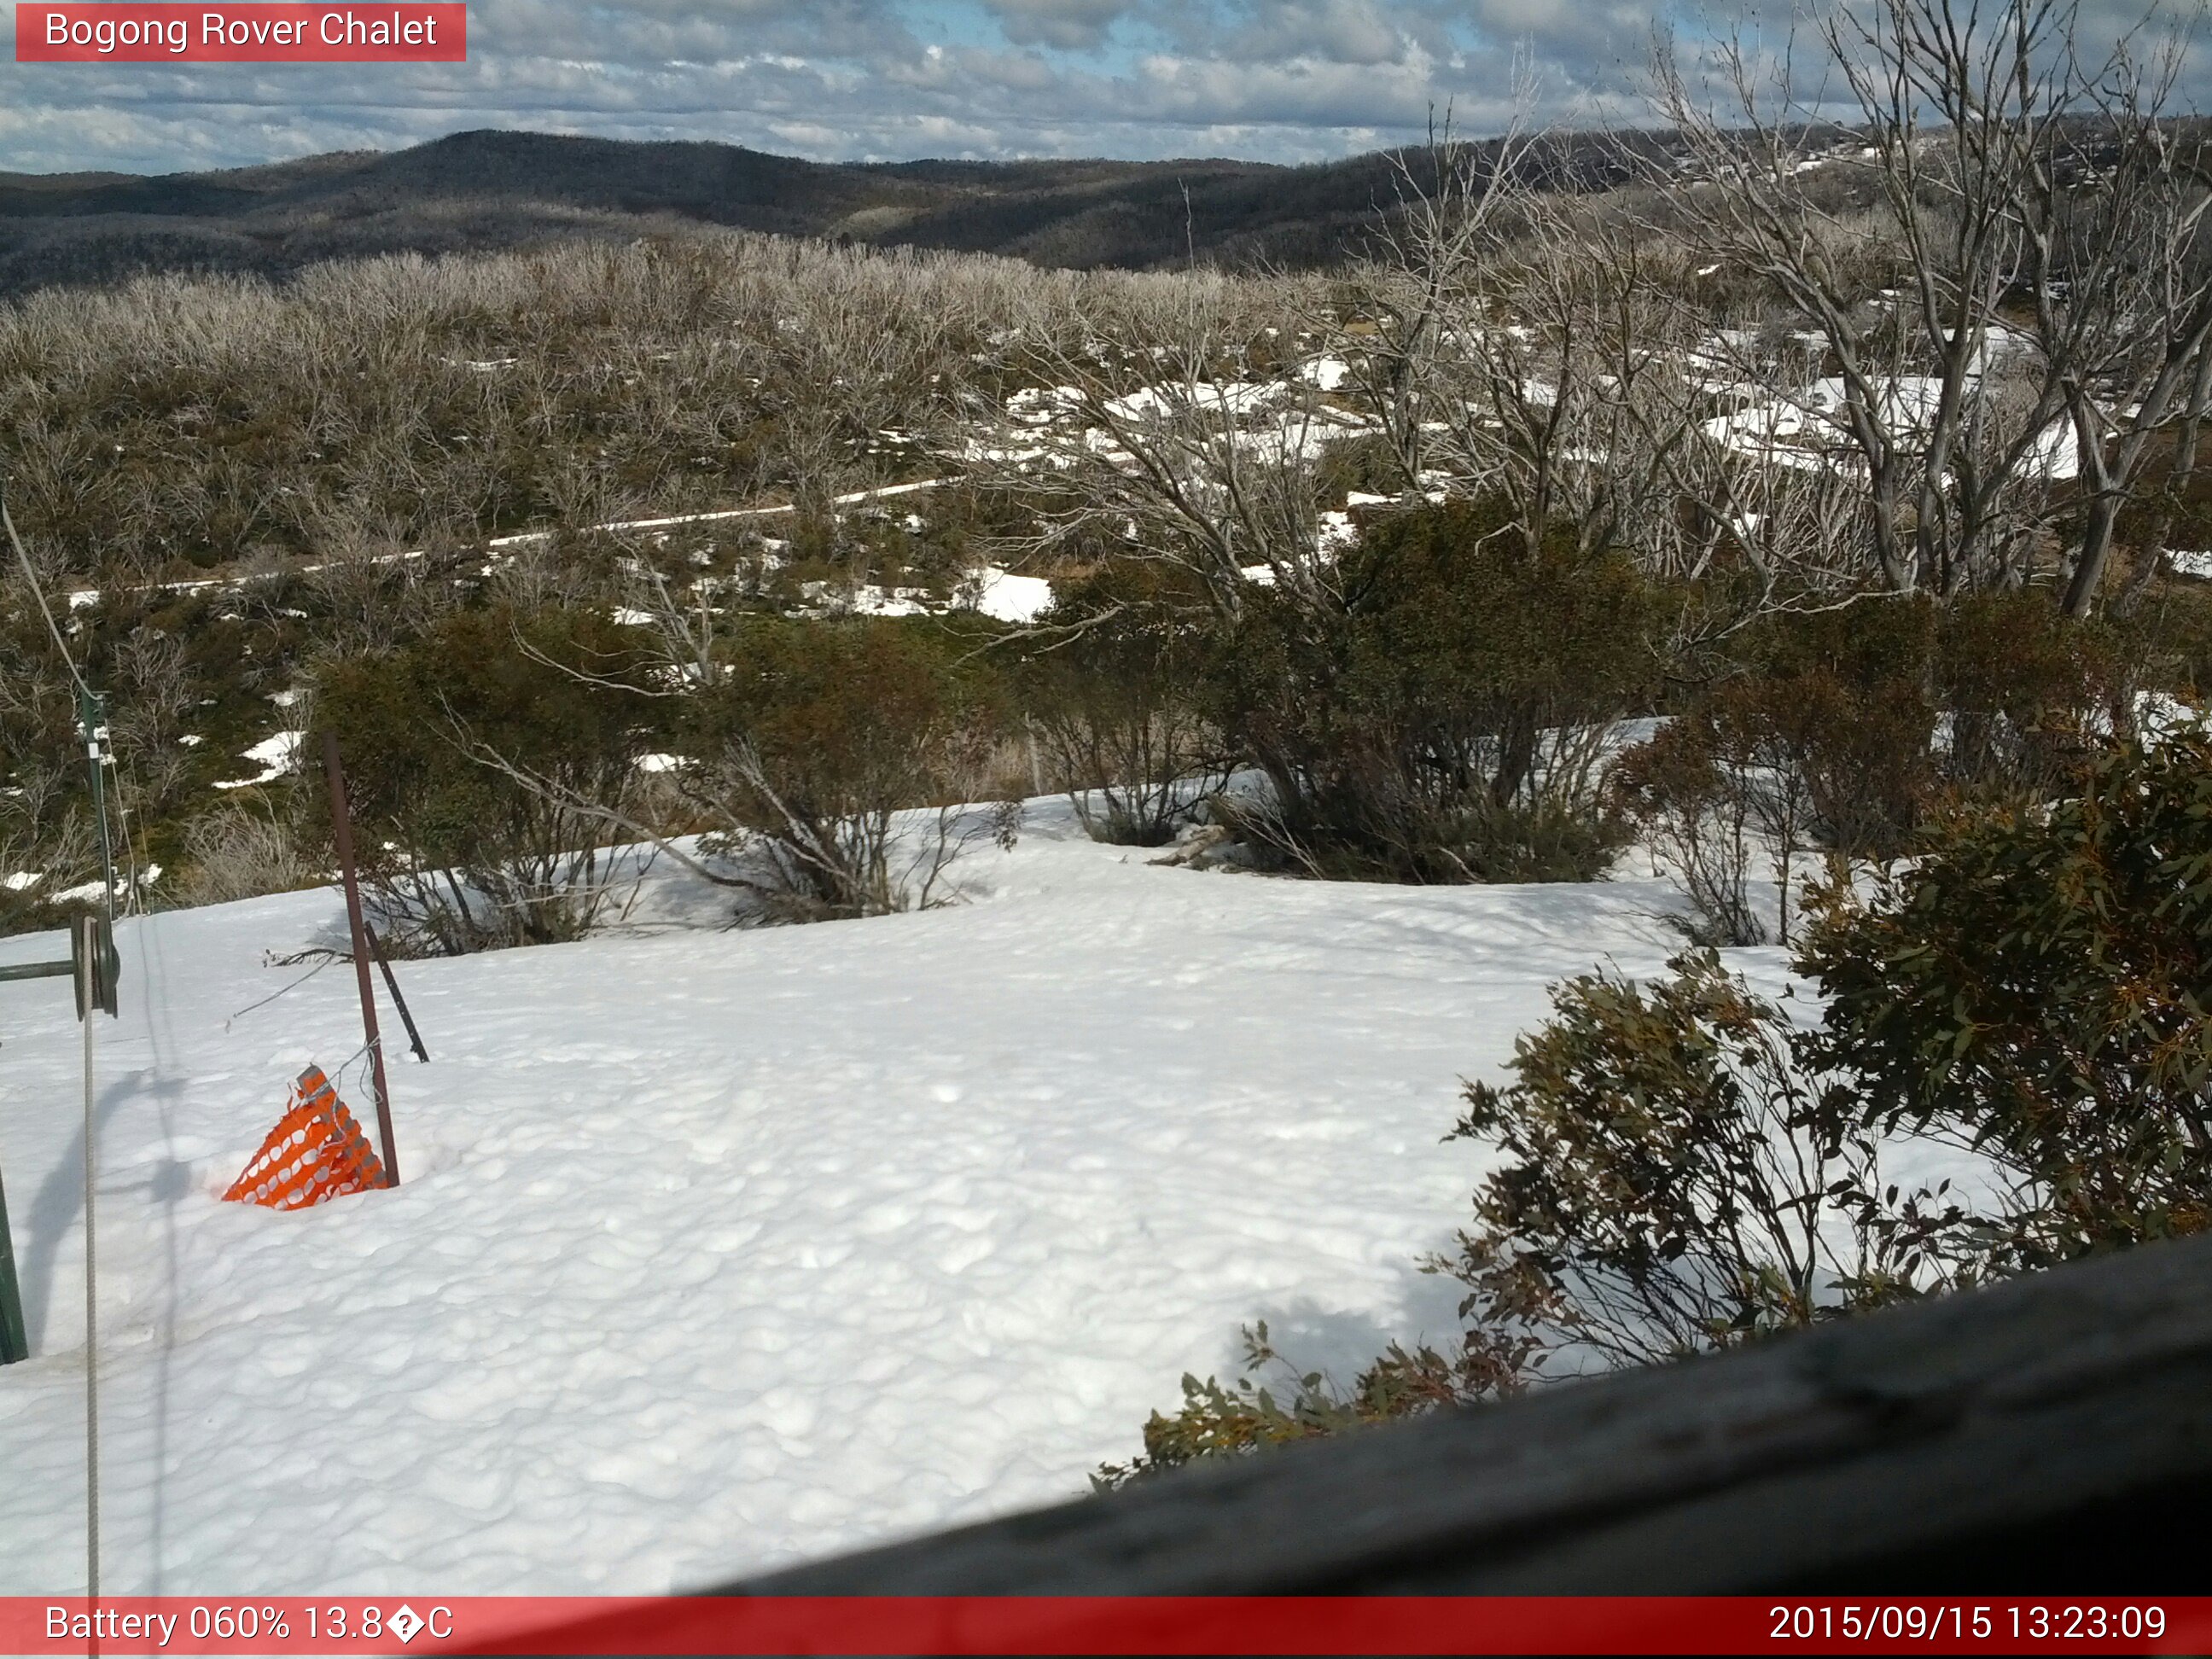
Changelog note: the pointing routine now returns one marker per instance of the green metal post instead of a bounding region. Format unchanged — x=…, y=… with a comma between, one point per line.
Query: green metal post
x=14, y=1344
x=37, y=969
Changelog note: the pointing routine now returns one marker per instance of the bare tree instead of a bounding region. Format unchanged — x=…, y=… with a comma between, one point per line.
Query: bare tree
x=1150, y=436
x=1527, y=347
x=246, y=848
x=2121, y=281
x=1995, y=249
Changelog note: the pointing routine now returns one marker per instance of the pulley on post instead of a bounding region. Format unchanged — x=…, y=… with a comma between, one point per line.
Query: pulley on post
x=92, y=720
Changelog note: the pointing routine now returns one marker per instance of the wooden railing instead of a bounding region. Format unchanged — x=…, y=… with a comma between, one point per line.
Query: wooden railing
x=2050, y=1435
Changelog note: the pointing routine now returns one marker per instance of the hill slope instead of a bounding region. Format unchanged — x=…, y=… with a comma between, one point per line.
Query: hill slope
x=483, y=190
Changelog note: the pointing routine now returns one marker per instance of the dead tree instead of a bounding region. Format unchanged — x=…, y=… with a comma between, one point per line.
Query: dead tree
x=1995, y=247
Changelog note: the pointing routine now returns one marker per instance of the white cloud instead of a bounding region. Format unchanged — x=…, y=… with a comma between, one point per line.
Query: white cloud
x=1278, y=80
x=1066, y=25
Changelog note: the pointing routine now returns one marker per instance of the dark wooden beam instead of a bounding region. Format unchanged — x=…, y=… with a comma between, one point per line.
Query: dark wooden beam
x=2052, y=1434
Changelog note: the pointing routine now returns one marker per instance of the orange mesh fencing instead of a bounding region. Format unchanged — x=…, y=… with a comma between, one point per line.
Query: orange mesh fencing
x=316, y=1151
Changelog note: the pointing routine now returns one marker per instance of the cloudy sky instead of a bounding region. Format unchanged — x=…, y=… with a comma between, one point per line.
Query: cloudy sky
x=1277, y=80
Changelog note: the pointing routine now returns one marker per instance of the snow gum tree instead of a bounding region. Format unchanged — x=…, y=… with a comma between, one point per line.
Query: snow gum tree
x=1522, y=348
x=1993, y=227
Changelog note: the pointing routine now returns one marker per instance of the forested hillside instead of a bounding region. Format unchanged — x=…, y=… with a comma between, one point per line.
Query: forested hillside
x=486, y=191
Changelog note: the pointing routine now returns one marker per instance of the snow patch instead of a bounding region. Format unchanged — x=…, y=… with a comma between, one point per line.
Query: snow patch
x=1326, y=374
x=1011, y=598
x=277, y=754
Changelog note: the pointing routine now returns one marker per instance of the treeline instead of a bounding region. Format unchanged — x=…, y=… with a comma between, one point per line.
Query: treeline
x=1431, y=692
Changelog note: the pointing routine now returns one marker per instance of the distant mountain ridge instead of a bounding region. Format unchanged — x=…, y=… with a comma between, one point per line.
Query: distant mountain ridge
x=501, y=189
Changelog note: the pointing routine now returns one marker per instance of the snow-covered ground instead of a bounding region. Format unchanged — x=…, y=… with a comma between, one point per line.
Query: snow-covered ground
x=719, y=1249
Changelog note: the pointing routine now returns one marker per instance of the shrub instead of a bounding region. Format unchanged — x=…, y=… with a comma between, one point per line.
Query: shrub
x=1686, y=1167
x=1691, y=789
x=1853, y=726
x=2036, y=985
x=2172, y=630
x=1248, y=1416
x=1668, y=1168
x=2027, y=688
x=49, y=841
x=1447, y=721
x=1714, y=787
x=1365, y=463
x=244, y=849
x=1110, y=696
x=1844, y=700
x=820, y=734
x=487, y=766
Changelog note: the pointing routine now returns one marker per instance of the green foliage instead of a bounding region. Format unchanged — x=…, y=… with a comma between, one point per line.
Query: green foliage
x=1667, y=1164
x=1248, y=1416
x=819, y=733
x=1445, y=722
x=2025, y=687
x=1849, y=701
x=2172, y=630
x=1829, y=729
x=834, y=705
x=2037, y=983
x=1110, y=697
x=1703, y=789
x=1845, y=700
x=1687, y=1167
x=489, y=764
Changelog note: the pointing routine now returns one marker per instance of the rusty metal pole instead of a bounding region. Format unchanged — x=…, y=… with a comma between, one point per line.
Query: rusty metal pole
x=342, y=828
x=392, y=984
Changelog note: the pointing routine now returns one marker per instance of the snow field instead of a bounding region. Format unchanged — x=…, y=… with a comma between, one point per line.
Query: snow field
x=722, y=1249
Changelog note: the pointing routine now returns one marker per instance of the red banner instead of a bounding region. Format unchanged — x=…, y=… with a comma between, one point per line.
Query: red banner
x=1105, y=1624
x=67, y=32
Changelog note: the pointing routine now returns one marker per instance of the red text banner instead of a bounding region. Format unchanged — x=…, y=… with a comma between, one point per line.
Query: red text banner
x=1132, y=1624
x=66, y=32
